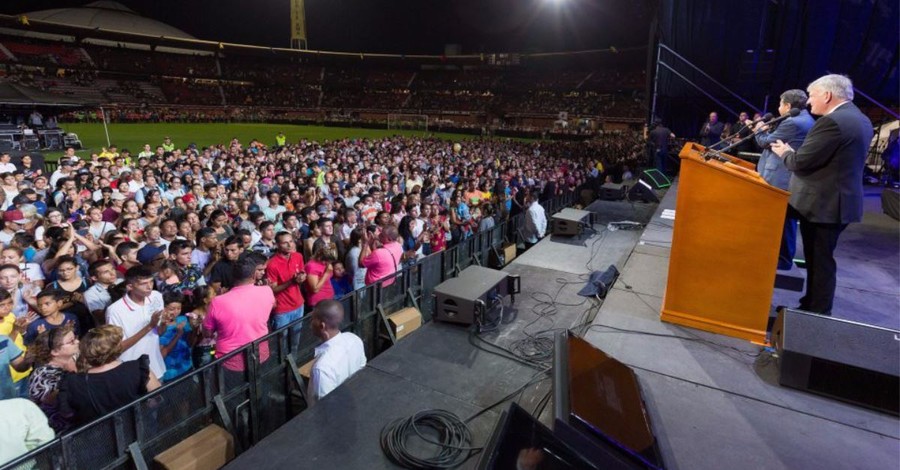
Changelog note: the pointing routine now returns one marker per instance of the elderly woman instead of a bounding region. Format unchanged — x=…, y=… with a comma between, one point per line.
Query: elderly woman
x=55, y=352
x=105, y=383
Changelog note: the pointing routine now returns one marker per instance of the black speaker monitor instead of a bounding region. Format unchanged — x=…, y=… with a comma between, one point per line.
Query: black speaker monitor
x=842, y=359
x=642, y=191
x=467, y=297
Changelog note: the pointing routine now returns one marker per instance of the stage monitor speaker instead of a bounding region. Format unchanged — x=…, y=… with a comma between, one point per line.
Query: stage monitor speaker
x=567, y=227
x=655, y=178
x=642, y=191
x=467, y=297
x=842, y=359
x=613, y=192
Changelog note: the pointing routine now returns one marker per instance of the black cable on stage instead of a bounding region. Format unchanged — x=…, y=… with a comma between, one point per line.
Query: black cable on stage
x=455, y=440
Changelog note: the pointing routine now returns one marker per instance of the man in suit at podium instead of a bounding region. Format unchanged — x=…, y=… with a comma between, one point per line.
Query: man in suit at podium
x=792, y=131
x=826, y=185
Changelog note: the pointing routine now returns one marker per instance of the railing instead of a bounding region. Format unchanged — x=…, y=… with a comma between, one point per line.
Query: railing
x=254, y=390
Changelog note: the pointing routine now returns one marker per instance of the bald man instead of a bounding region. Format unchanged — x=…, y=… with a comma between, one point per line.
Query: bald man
x=340, y=355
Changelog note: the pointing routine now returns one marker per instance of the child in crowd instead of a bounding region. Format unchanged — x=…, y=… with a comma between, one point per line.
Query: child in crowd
x=177, y=337
x=340, y=280
x=51, y=316
x=13, y=328
x=203, y=351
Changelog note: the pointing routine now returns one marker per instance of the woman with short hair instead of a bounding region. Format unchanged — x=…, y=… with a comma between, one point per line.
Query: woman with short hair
x=105, y=383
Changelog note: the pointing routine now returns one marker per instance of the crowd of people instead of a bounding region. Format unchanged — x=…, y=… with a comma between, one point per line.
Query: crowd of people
x=123, y=271
x=129, y=76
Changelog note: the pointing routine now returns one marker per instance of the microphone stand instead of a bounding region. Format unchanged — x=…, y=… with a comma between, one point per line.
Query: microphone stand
x=717, y=154
x=753, y=123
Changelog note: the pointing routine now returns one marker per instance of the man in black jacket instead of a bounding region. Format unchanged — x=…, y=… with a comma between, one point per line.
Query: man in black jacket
x=826, y=185
x=712, y=130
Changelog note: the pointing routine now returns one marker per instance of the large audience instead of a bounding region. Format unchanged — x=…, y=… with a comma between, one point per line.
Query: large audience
x=118, y=266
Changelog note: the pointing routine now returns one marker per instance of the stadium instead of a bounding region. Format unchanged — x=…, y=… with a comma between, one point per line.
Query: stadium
x=542, y=234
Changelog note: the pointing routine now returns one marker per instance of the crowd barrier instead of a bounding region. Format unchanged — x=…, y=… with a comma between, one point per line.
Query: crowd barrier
x=254, y=390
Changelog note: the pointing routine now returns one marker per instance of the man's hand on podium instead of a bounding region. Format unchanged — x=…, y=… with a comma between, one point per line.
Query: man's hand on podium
x=780, y=148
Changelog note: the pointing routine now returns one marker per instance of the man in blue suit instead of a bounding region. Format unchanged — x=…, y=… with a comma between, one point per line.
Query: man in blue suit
x=826, y=182
x=792, y=131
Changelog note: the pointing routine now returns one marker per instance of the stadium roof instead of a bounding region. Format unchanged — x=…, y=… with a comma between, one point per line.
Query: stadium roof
x=108, y=15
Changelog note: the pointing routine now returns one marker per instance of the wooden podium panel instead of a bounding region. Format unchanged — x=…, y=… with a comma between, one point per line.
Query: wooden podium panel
x=728, y=225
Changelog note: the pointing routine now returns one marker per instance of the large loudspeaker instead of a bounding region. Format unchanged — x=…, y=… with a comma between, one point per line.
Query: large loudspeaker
x=612, y=192
x=642, y=191
x=841, y=359
x=468, y=297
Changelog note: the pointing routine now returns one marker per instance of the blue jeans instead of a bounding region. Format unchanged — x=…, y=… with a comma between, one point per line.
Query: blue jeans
x=281, y=320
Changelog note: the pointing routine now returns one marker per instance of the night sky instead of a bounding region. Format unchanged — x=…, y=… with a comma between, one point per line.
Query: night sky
x=401, y=26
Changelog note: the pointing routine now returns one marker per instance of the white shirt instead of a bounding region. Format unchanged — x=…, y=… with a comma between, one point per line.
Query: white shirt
x=535, y=223
x=102, y=229
x=23, y=427
x=31, y=272
x=6, y=237
x=56, y=176
x=96, y=297
x=345, y=230
x=336, y=360
x=200, y=258
x=172, y=193
x=132, y=317
x=7, y=168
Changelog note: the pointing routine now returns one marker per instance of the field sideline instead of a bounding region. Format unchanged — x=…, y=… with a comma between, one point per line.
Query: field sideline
x=134, y=136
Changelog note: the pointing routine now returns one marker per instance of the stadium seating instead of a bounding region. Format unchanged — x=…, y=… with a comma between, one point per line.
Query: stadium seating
x=131, y=77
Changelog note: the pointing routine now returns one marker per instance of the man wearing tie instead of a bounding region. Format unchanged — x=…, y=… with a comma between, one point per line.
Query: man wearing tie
x=792, y=130
x=826, y=184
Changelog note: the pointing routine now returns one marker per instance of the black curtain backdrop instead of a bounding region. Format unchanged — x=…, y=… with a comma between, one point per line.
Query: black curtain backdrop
x=760, y=48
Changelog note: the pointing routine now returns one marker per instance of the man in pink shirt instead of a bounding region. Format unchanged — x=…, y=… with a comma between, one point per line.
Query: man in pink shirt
x=381, y=255
x=240, y=316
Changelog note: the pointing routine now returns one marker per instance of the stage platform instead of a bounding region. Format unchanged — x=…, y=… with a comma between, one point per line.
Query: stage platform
x=714, y=401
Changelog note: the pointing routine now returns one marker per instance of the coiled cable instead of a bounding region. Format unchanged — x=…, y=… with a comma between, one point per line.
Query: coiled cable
x=455, y=440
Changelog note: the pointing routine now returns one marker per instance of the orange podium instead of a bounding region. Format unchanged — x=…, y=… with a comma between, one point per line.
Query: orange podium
x=728, y=225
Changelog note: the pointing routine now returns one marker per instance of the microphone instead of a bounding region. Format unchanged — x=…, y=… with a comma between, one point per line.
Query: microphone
x=767, y=117
x=764, y=118
x=794, y=112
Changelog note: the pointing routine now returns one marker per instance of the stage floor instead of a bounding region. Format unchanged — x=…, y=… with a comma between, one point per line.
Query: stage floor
x=713, y=404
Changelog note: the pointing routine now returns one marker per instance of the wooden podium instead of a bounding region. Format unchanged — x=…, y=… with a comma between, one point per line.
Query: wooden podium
x=728, y=225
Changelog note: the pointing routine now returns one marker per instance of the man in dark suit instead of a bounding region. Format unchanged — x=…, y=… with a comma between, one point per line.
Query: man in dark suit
x=792, y=130
x=826, y=185
x=712, y=130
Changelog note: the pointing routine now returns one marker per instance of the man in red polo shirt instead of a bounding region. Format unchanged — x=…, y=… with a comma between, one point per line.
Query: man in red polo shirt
x=285, y=273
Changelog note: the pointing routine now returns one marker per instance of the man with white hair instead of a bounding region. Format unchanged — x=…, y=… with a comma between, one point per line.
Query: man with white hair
x=826, y=184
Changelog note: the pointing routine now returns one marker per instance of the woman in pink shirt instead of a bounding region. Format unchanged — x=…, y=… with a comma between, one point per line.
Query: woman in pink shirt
x=318, y=273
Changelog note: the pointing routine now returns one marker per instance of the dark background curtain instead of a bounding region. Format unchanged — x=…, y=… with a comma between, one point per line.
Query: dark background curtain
x=760, y=48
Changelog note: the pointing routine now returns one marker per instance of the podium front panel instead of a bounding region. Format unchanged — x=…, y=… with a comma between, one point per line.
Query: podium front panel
x=728, y=225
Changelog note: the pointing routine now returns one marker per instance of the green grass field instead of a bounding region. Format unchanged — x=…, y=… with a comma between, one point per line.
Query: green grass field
x=134, y=136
